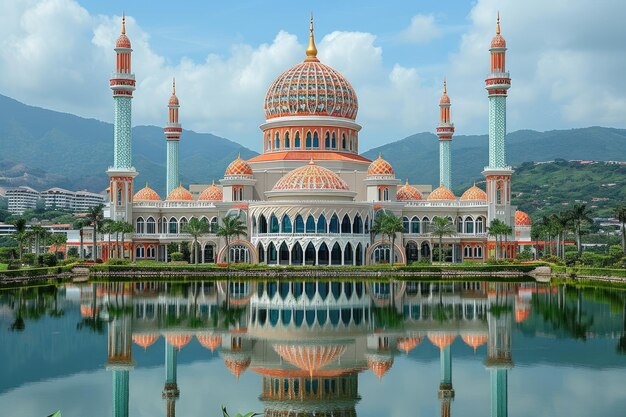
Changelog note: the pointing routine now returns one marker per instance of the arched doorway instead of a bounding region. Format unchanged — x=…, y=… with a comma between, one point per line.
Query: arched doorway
x=283, y=254
x=359, y=255
x=323, y=255
x=261, y=251
x=425, y=250
x=309, y=255
x=348, y=256
x=412, y=252
x=297, y=256
x=335, y=255
x=208, y=255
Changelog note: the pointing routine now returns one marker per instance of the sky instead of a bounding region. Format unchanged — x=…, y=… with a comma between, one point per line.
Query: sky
x=566, y=59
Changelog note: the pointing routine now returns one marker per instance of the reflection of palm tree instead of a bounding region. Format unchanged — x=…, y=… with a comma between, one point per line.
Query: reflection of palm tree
x=388, y=317
x=18, y=325
x=55, y=312
x=230, y=316
x=95, y=322
x=621, y=345
x=561, y=316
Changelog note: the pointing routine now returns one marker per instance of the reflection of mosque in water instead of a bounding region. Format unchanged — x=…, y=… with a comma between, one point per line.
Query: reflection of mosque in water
x=309, y=340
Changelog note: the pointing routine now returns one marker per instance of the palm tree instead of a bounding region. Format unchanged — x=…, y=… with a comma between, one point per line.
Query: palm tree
x=196, y=228
x=95, y=215
x=232, y=226
x=125, y=227
x=620, y=213
x=20, y=234
x=560, y=223
x=496, y=229
x=440, y=227
x=579, y=215
x=536, y=232
x=387, y=224
x=79, y=224
x=57, y=239
x=40, y=234
x=107, y=228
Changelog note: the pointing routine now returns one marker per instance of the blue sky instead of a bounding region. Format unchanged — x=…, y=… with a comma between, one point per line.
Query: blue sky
x=566, y=60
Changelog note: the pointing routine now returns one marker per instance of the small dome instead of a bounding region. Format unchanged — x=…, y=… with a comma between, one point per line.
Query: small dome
x=179, y=341
x=380, y=167
x=210, y=341
x=145, y=340
x=380, y=367
x=474, y=340
x=498, y=42
x=238, y=167
x=522, y=219
x=407, y=344
x=441, y=193
x=211, y=193
x=237, y=364
x=441, y=340
x=146, y=194
x=474, y=194
x=179, y=193
x=444, y=97
x=173, y=99
x=311, y=177
x=408, y=193
x=122, y=40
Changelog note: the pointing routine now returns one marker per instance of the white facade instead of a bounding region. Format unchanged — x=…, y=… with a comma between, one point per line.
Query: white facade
x=21, y=199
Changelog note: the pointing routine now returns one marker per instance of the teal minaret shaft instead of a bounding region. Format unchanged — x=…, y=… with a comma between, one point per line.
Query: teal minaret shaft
x=498, y=173
x=172, y=131
x=121, y=174
x=170, y=390
x=446, y=392
x=499, y=359
x=445, y=130
x=120, y=361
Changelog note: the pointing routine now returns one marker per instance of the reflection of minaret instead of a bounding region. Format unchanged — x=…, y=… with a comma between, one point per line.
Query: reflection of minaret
x=446, y=392
x=120, y=360
x=170, y=390
x=499, y=359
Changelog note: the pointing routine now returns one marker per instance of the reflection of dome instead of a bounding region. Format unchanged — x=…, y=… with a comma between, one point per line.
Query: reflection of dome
x=474, y=194
x=180, y=193
x=238, y=167
x=237, y=363
x=210, y=341
x=522, y=219
x=441, y=193
x=380, y=366
x=87, y=311
x=380, y=167
x=408, y=193
x=146, y=194
x=474, y=340
x=441, y=339
x=145, y=340
x=311, y=177
x=407, y=344
x=211, y=193
x=179, y=341
x=310, y=358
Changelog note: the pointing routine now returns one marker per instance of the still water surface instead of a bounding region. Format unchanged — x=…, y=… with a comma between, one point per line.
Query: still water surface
x=313, y=348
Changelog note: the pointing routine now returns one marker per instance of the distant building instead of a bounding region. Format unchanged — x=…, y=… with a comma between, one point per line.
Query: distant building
x=21, y=199
x=71, y=200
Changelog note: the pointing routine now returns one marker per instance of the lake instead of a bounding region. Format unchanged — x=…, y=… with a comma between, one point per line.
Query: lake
x=324, y=348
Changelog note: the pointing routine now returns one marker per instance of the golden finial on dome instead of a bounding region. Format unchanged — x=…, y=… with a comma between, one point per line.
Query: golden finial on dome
x=445, y=90
x=407, y=182
x=174, y=86
x=311, y=162
x=498, y=24
x=311, y=50
x=123, y=23
x=146, y=184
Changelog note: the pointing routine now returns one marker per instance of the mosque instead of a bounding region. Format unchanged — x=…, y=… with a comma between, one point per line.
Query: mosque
x=310, y=198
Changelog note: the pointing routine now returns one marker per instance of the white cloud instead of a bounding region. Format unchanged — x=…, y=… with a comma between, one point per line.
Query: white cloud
x=422, y=29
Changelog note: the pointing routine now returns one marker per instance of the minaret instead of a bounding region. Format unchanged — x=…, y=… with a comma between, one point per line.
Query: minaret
x=122, y=172
x=446, y=392
x=120, y=361
x=172, y=134
x=170, y=390
x=498, y=174
x=499, y=359
x=445, y=130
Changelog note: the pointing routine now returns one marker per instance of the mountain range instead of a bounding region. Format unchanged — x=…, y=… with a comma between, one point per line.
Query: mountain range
x=45, y=148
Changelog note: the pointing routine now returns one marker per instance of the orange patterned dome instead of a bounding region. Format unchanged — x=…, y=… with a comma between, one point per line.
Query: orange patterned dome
x=310, y=358
x=179, y=341
x=210, y=341
x=146, y=194
x=237, y=366
x=122, y=40
x=238, y=167
x=211, y=193
x=145, y=340
x=522, y=219
x=474, y=340
x=380, y=167
x=441, y=193
x=408, y=193
x=441, y=340
x=407, y=344
x=498, y=41
x=311, y=177
x=380, y=367
x=173, y=98
x=179, y=193
x=474, y=194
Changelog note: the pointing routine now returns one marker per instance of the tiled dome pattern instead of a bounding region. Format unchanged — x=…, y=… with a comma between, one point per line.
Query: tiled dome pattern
x=441, y=193
x=311, y=177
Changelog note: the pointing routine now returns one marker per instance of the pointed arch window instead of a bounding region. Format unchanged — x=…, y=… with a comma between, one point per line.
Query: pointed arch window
x=287, y=143
x=308, y=140
x=327, y=141
x=316, y=140
x=296, y=141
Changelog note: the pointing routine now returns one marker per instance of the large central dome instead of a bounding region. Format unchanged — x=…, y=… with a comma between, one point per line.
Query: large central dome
x=311, y=89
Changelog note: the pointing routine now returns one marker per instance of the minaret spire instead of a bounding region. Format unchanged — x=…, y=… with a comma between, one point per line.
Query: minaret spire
x=123, y=23
x=445, y=130
x=498, y=24
x=173, y=131
x=311, y=50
